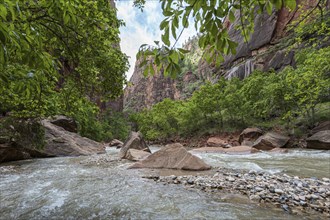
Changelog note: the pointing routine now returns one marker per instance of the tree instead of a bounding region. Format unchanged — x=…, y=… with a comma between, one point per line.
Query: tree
x=209, y=17
x=55, y=52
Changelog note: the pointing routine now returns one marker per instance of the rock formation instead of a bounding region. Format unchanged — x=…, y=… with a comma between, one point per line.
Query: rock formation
x=172, y=156
x=264, y=51
x=60, y=142
x=134, y=141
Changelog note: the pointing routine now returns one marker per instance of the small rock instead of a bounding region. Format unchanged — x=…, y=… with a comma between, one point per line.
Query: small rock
x=190, y=182
x=302, y=203
x=313, y=196
x=258, y=189
x=286, y=208
x=230, y=179
x=279, y=191
x=326, y=179
x=303, y=198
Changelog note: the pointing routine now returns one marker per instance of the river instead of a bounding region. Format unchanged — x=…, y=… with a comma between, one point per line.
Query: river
x=66, y=188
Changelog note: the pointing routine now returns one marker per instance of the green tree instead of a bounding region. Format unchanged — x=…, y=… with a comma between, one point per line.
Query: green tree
x=51, y=49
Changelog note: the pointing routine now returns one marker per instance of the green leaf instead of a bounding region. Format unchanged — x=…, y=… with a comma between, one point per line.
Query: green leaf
x=290, y=4
x=231, y=16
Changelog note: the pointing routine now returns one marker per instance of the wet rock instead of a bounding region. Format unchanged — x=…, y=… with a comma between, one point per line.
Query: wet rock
x=134, y=141
x=14, y=152
x=320, y=140
x=270, y=140
x=173, y=156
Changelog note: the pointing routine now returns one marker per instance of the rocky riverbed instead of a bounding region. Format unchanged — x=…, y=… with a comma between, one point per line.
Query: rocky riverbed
x=291, y=193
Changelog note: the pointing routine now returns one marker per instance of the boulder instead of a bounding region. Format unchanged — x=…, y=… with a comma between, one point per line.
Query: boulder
x=249, y=135
x=60, y=142
x=321, y=127
x=320, y=140
x=232, y=150
x=172, y=156
x=116, y=143
x=134, y=141
x=64, y=122
x=270, y=140
x=136, y=155
x=13, y=152
x=216, y=142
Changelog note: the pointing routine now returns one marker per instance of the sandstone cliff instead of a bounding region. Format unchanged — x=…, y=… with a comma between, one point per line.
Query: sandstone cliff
x=267, y=49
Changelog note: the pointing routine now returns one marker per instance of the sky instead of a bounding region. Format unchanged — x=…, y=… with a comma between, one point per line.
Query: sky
x=142, y=28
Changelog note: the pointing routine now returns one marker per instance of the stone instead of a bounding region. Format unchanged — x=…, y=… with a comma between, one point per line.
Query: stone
x=65, y=122
x=134, y=141
x=231, y=150
x=278, y=191
x=172, y=156
x=216, y=142
x=60, y=142
x=249, y=135
x=270, y=140
x=321, y=127
x=320, y=140
x=116, y=143
x=14, y=152
x=136, y=155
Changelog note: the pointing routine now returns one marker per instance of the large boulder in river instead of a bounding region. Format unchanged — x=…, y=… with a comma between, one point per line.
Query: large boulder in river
x=249, y=135
x=320, y=140
x=60, y=142
x=136, y=155
x=232, y=150
x=172, y=156
x=134, y=141
x=270, y=140
x=65, y=122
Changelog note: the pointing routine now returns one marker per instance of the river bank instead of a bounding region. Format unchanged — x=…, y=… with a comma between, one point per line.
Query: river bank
x=294, y=195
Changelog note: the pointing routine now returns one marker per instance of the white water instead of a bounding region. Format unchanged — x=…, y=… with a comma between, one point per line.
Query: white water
x=63, y=188
x=304, y=163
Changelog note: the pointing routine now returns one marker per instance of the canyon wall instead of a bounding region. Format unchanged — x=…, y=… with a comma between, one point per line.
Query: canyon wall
x=266, y=49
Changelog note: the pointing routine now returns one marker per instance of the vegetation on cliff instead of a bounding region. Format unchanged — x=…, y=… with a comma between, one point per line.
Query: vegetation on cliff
x=287, y=97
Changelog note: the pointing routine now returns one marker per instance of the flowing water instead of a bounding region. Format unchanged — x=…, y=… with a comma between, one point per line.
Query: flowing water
x=64, y=188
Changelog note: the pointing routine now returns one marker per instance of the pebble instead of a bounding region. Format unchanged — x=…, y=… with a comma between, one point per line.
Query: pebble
x=278, y=191
x=292, y=194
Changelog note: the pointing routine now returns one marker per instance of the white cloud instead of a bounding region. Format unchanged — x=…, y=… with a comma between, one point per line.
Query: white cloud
x=142, y=28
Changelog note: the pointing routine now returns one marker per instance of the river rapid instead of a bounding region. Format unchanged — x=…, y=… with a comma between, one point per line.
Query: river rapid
x=69, y=188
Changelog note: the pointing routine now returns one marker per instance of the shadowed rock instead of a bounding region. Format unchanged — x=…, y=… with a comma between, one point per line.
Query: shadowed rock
x=172, y=156
x=249, y=135
x=134, y=141
x=116, y=143
x=64, y=122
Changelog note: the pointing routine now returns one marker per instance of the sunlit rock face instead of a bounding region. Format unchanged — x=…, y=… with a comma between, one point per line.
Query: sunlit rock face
x=264, y=51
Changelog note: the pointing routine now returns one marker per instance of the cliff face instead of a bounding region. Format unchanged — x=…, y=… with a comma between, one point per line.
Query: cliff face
x=264, y=51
